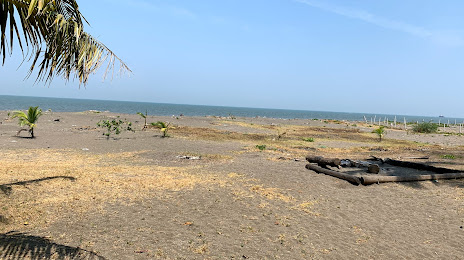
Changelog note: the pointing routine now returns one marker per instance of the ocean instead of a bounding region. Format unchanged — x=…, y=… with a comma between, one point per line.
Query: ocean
x=9, y=103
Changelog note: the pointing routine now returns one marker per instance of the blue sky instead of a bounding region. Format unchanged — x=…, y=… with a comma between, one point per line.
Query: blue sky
x=394, y=57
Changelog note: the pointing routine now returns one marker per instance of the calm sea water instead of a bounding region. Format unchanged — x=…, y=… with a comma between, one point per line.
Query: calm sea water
x=79, y=105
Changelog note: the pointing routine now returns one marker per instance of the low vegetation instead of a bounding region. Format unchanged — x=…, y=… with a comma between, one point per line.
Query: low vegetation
x=425, y=127
x=30, y=119
x=144, y=116
x=163, y=126
x=380, y=132
x=114, y=126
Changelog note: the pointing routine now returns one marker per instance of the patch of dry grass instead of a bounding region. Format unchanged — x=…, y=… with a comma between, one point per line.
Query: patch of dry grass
x=39, y=186
x=99, y=179
x=204, y=133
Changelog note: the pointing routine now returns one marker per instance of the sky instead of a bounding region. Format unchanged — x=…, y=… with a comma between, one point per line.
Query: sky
x=401, y=57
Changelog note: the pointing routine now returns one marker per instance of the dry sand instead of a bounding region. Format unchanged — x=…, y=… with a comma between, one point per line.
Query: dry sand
x=72, y=193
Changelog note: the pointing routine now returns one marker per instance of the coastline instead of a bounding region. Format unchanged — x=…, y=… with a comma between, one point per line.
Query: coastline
x=134, y=195
x=164, y=109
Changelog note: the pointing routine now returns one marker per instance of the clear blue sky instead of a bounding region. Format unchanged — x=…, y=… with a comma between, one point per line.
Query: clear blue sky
x=391, y=56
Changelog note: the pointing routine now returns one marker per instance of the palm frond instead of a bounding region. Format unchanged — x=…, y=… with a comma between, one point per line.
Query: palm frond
x=30, y=119
x=54, y=30
x=141, y=114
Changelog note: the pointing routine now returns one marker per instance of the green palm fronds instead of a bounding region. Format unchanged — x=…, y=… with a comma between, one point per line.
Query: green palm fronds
x=54, y=31
x=380, y=132
x=30, y=119
x=144, y=117
x=164, y=127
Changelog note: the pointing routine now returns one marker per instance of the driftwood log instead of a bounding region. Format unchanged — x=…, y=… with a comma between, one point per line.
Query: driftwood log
x=353, y=179
x=373, y=168
x=439, y=172
x=324, y=162
x=417, y=166
x=366, y=180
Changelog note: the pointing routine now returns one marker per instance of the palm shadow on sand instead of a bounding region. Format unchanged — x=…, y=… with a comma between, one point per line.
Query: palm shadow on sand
x=7, y=188
x=15, y=245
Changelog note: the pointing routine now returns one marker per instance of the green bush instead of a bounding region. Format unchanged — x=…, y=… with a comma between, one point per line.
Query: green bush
x=425, y=127
x=309, y=139
x=115, y=126
x=380, y=132
x=261, y=147
x=448, y=156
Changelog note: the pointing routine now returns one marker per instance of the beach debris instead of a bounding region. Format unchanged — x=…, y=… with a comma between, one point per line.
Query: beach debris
x=85, y=149
x=57, y=120
x=416, y=158
x=288, y=158
x=373, y=170
x=344, y=176
x=324, y=162
x=414, y=165
x=188, y=157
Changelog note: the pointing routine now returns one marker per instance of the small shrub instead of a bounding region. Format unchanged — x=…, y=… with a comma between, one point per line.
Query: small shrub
x=115, y=126
x=448, y=156
x=380, y=132
x=309, y=139
x=163, y=126
x=144, y=116
x=261, y=147
x=425, y=127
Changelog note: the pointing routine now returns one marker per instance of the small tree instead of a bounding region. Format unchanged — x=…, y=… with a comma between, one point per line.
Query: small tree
x=163, y=126
x=30, y=119
x=144, y=117
x=380, y=132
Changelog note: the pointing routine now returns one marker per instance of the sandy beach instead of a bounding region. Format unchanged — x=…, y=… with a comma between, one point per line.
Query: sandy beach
x=208, y=192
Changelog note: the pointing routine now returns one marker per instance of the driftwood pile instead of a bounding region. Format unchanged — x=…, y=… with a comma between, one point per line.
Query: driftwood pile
x=320, y=165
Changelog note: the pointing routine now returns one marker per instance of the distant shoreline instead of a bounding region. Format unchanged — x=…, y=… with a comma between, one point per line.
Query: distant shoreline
x=8, y=103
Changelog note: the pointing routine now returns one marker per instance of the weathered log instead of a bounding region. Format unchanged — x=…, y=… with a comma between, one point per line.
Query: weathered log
x=321, y=161
x=366, y=180
x=417, y=166
x=353, y=179
x=373, y=168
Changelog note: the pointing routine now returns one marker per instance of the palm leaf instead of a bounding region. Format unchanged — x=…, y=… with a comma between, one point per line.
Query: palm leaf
x=54, y=30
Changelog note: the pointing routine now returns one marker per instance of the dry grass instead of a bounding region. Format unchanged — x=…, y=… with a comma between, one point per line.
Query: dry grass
x=216, y=135
x=327, y=141
x=39, y=186
x=99, y=179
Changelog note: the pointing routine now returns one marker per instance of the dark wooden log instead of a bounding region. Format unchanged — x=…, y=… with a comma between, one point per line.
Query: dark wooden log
x=419, y=166
x=352, y=179
x=366, y=180
x=373, y=168
x=321, y=161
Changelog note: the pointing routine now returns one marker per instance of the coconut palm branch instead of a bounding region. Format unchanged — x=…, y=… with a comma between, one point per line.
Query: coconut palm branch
x=144, y=117
x=53, y=30
x=164, y=127
x=30, y=119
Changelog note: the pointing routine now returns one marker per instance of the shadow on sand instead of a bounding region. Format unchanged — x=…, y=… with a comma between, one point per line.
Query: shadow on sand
x=6, y=188
x=14, y=245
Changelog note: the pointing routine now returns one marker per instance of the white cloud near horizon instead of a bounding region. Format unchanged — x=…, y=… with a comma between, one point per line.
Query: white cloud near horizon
x=451, y=39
